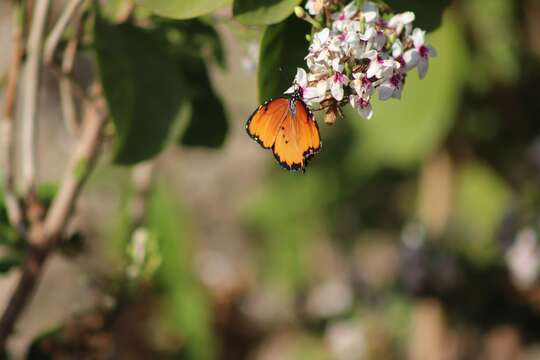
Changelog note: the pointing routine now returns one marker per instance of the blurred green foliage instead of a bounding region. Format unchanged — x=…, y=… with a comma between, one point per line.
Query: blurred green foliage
x=263, y=12
x=156, y=83
x=182, y=9
x=185, y=306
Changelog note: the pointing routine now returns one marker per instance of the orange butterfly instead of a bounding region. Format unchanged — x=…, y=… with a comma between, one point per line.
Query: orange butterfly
x=285, y=125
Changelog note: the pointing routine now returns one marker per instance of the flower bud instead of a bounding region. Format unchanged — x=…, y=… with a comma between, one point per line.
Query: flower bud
x=299, y=12
x=330, y=116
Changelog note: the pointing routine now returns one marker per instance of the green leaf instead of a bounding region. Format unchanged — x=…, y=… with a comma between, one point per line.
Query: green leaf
x=187, y=309
x=10, y=261
x=429, y=14
x=481, y=198
x=142, y=88
x=403, y=132
x=193, y=37
x=208, y=124
x=263, y=12
x=283, y=48
x=186, y=42
x=38, y=348
x=182, y=9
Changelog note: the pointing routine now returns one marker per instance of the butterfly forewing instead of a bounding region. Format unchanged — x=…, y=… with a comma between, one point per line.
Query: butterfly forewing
x=265, y=122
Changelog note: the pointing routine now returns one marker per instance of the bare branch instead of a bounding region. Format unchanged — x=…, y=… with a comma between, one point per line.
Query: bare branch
x=12, y=204
x=45, y=240
x=30, y=94
x=56, y=34
x=69, y=111
x=76, y=174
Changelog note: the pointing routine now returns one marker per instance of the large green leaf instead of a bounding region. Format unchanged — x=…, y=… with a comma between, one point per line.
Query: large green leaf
x=208, y=124
x=186, y=41
x=142, y=88
x=283, y=48
x=428, y=13
x=263, y=12
x=182, y=9
x=403, y=132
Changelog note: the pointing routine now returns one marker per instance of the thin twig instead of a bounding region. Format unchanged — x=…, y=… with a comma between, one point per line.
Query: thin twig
x=12, y=204
x=56, y=34
x=80, y=166
x=67, y=101
x=141, y=179
x=30, y=95
x=78, y=169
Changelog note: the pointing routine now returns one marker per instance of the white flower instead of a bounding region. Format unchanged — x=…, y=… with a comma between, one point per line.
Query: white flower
x=337, y=81
x=391, y=87
x=419, y=56
x=315, y=94
x=362, y=105
x=314, y=7
x=300, y=82
x=379, y=67
x=523, y=258
x=341, y=19
x=319, y=40
x=362, y=85
x=400, y=21
x=370, y=12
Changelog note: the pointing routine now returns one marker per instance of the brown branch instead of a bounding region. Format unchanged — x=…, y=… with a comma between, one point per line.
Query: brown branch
x=30, y=95
x=67, y=101
x=79, y=167
x=49, y=235
x=12, y=204
x=56, y=34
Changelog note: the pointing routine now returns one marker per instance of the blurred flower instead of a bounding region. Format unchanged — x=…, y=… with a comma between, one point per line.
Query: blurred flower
x=251, y=58
x=314, y=7
x=346, y=340
x=330, y=298
x=357, y=53
x=523, y=258
x=400, y=21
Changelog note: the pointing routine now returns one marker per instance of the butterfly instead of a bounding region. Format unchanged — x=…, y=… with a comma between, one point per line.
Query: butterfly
x=286, y=126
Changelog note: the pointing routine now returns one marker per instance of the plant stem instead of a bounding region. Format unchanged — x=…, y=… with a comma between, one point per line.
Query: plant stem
x=56, y=34
x=30, y=95
x=46, y=236
x=12, y=204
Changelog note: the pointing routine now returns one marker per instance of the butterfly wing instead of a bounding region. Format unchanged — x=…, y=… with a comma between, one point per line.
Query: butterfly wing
x=288, y=128
x=298, y=138
x=264, y=124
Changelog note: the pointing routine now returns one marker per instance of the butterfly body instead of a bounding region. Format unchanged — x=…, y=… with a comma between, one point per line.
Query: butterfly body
x=286, y=126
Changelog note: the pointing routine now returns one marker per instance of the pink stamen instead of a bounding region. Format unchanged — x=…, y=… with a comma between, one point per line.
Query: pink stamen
x=424, y=51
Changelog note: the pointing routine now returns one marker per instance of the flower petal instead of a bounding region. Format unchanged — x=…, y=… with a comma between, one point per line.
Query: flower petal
x=418, y=37
x=386, y=91
x=422, y=67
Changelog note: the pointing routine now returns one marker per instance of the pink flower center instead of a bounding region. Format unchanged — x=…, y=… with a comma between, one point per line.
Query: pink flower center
x=396, y=80
x=342, y=36
x=341, y=16
x=366, y=82
x=424, y=51
x=363, y=103
x=338, y=77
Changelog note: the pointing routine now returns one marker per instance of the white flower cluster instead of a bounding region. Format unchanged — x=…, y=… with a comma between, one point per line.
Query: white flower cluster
x=359, y=53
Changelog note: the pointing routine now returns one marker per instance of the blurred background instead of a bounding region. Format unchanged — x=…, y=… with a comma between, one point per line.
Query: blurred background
x=411, y=235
